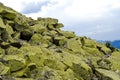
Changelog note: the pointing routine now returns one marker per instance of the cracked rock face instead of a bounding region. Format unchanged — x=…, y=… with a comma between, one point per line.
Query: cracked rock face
x=40, y=50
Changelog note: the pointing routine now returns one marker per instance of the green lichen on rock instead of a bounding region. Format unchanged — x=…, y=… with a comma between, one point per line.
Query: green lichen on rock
x=114, y=58
x=73, y=45
x=4, y=70
x=39, y=50
x=14, y=62
x=2, y=25
x=108, y=74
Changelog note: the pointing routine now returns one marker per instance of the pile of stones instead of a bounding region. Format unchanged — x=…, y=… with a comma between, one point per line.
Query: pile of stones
x=39, y=50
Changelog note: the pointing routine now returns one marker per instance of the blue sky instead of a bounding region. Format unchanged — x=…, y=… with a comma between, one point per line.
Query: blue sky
x=98, y=19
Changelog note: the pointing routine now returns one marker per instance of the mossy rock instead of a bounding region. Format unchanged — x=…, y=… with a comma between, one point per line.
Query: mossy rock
x=50, y=27
x=28, y=49
x=2, y=25
x=103, y=48
x=18, y=27
x=73, y=45
x=38, y=28
x=93, y=51
x=2, y=52
x=106, y=50
x=52, y=33
x=13, y=50
x=38, y=60
x=59, y=40
x=4, y=70
x=68, y=74
x=15, y=62
x=48, y=20
x=82, y=70
x=22, y=21
x=59, y=25
x=9, y=29
x=24, y=79
x=104, y=64
x=107, y=74
x=67, y=34
x=8, y=14
x=16, y=35
x=4, y=45
x=49, y=62
x=114, y=58
x=37, y=39
x=10, y=22
x=88, y=42
x=27, y=71
x=49, y=38
x=20, y=73
x=68, y=59
x=34, y=54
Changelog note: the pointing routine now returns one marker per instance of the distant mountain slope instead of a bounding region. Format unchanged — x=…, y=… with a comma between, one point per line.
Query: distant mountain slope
x=115, y=43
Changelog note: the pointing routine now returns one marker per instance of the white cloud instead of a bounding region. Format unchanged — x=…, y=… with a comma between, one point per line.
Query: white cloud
x=18, y=4
x=90, y=9
x=75, y=11
x=100, y=29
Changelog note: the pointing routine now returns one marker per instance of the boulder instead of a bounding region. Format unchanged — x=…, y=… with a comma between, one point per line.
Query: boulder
x=14, y=62
x=73, y=44
x=114, y=58
x=4, y=70
x=38, y=28
x=107, y=74
x=7, y=14
x=2, y=25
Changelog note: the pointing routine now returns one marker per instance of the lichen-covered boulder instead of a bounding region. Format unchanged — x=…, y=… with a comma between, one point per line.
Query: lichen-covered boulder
x=59, y=25
x=67, y=34
x=59, y=40
x=82, y=70
x=37, y=39
x=38, y=28
x=14, y=62
x=48, y=20
x=103, y=48
x=4, y=70
x=93, y=51
x=114, y=58
x=8, y=14
x=2, y=52
x=88, y=42
x=2, y=25
x=74, y=45
x=107, y=75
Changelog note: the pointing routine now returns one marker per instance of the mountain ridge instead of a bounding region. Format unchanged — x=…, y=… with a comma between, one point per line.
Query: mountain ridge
x=39, y=50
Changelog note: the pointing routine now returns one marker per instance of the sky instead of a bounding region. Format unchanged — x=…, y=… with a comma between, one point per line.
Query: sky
x=97, y=19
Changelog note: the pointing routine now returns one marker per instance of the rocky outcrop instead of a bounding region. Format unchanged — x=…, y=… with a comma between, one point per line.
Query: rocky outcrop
x=40, y=50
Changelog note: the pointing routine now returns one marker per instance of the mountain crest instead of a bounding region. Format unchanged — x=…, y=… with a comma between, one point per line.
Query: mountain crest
x=39, y=50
